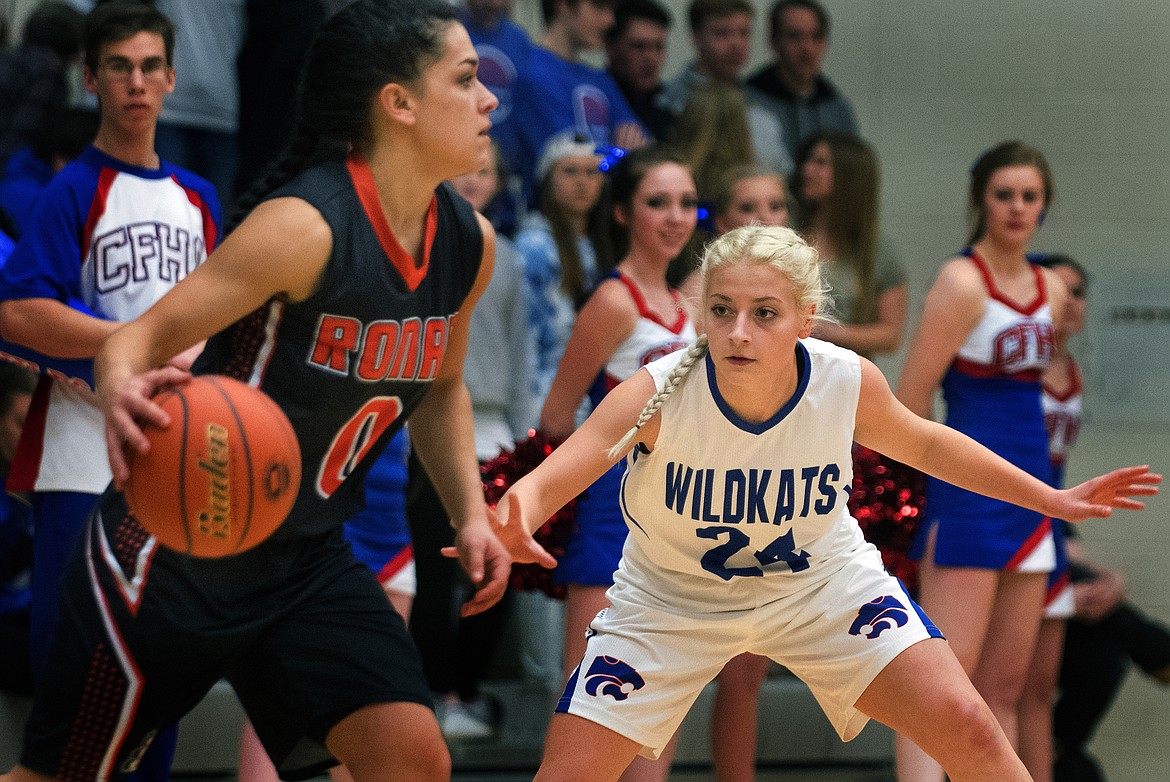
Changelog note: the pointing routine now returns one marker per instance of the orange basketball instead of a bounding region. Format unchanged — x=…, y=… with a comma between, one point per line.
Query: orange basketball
x=223, y=476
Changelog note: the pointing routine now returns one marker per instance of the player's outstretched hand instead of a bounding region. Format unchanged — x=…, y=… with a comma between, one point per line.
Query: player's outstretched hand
x=1097, y=497
x=486, y=562
x=508, y=522
x=128, y=407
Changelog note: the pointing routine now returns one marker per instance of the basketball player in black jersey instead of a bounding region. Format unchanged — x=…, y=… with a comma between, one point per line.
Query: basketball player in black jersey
x=345, y=294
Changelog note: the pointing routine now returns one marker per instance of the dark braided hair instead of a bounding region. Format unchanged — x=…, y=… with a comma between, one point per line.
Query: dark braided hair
x=363, y=47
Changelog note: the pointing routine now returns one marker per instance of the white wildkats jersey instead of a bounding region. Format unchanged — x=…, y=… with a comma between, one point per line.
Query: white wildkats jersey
x=727, y=515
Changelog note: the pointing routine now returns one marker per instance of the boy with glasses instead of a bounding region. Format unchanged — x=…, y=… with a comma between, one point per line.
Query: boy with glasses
x=115, y=230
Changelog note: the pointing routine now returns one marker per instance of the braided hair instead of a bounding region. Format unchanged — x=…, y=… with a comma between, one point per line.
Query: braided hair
x=360, y=49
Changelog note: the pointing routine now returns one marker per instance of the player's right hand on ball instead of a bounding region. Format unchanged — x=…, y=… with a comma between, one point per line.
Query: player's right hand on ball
x=128, y=407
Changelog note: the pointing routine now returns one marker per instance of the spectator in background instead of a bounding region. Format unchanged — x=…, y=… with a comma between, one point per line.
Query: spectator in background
x=65, y=135
x=750, y=195
x=793, y=85
x=1105, y=633
x=557, y=93
x=497, y=365
x=566, y=249
x=718, y=130
x=198, y=126
x=503, y=47
x=836, y=186
x=712, y=134
x=721, y=31
x=16, y=387
x=636, y=50
x=32, y=76
x=1061, y=401
x=55, y=302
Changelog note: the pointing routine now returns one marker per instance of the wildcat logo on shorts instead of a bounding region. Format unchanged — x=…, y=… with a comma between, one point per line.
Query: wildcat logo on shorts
x=612, y=677
x=879, y=615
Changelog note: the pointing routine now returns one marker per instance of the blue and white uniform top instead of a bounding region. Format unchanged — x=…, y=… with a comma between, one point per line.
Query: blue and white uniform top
x=651, y=339
x=109, y=239
x=1012, y=340
x=726, y=515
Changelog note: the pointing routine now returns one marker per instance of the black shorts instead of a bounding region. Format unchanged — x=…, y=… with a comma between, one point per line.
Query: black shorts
x=302, y=631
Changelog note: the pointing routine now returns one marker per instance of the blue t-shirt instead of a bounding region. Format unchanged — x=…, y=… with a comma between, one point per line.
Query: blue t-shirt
x=503, y=55
x=108, y=239
x=25, y=176
x=554, y=95
x=6, y=246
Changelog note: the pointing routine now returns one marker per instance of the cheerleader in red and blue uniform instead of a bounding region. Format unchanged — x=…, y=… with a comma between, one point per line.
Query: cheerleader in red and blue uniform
x=985, y=337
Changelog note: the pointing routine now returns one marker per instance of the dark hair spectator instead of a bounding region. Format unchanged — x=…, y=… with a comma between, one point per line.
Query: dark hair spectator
x=636, y=49
x=627, y=11
x=122, y=19
x=793, y=86
x=56, y=26
x=32, y=75
x=776, y=17
x=64, y=135
x=701, y=11
x=548, y=8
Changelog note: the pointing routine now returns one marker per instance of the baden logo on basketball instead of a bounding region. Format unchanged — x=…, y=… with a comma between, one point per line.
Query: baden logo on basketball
x=216, y=521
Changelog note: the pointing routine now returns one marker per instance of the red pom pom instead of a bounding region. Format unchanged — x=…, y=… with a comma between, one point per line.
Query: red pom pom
x=498, y=475
x=888, y=500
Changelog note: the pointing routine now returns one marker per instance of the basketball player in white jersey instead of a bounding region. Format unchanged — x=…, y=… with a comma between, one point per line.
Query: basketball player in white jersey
x=740, y=539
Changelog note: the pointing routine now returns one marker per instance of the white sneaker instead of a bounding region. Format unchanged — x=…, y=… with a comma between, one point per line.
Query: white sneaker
x=459, y=723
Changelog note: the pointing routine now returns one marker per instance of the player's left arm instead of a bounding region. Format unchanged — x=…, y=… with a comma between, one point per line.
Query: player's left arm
x=443, y=436
x=886, y=425
x=574, y=466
